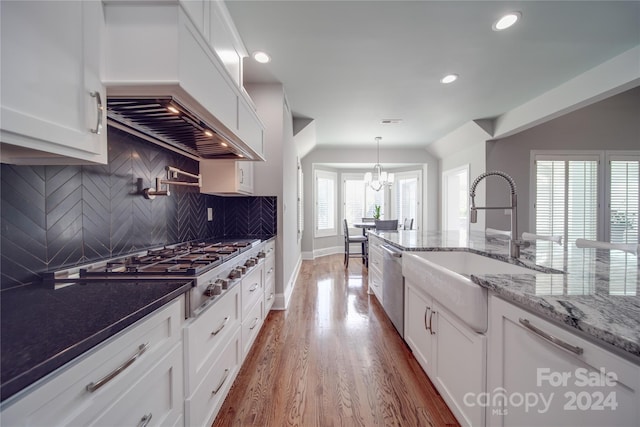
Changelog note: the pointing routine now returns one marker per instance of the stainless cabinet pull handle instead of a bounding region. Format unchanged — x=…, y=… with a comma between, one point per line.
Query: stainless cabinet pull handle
x=431, y=323
x=226, y=374
x=98, y=98
x=241, y=176
x=91, y=387
x=255, y=323
x=270, y=270
x=426, y=311
x=254, y=287
x=224, y=323
x=551, y=338
x=144, y=421
x=270, y=297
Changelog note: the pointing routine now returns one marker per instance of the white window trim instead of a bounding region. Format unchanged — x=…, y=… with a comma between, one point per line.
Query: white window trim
x=445, y=176
x=330, y=176
x=392, y=199
x=355, y=176
x=566, y=155
x=603, y=157
x=609, y=156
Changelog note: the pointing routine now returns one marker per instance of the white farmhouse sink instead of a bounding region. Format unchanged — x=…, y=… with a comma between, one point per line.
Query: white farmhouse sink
x=444, y=276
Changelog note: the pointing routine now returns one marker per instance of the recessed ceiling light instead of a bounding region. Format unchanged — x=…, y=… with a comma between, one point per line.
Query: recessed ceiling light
x=390, y=121
x=173, y=109
x=261, y=57
x=506, y=21
x=208, y=133
x=449, y=78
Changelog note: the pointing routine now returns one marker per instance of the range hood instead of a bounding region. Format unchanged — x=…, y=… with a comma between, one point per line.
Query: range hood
x=165, y=121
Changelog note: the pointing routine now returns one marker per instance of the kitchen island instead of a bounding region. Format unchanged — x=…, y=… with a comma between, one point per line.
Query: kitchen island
x=598, y=295
x=44, y=328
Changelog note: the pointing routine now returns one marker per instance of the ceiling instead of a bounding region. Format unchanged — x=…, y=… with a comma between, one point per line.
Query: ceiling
x=349, y=64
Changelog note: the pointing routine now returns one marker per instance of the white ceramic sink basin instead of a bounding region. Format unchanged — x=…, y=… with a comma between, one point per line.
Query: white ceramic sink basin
x=444, y=276
x=469, y=263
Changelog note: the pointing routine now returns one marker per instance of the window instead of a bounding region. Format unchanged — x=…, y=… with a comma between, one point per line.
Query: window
x=623, y=204
x=455, y=199
x=358, y=198
x=566, y=197
x=407, y=196
x=584, y=196
x=326, y=190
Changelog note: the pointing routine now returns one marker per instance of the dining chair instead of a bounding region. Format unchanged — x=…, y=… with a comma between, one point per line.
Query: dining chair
x=348, y=240
x=627, y=247
x=532, y=237
x=386, y=224
x=408, y=224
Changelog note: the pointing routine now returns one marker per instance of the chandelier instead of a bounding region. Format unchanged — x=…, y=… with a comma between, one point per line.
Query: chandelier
x=378, y=178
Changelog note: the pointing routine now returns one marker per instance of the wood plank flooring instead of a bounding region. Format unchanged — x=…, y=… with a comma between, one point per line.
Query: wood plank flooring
x=332, y=359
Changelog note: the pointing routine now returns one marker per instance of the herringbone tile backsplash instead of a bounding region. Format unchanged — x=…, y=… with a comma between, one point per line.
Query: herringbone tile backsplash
x=53, y=217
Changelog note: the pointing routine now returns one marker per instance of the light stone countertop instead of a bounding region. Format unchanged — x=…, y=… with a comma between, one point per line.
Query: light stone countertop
x=599, y=294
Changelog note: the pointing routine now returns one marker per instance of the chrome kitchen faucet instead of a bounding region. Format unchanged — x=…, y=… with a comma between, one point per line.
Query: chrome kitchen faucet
x=514, y=243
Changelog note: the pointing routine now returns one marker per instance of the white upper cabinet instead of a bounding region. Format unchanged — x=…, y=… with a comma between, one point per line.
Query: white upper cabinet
x=52, y=105
x=188, y=50
x=226, y=177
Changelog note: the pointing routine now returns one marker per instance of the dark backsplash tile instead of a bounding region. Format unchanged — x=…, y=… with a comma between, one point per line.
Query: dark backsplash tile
x=54, y=217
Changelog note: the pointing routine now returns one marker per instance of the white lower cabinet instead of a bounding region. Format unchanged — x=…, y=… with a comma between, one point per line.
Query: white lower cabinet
x=269, y=276
x=375, y=267
x=133, y=374
x=532, y=381
x=451, y=353
x=203, y=405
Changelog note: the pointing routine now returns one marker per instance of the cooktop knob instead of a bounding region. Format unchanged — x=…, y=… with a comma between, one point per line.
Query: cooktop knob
x=261, y=254
x=235, y=274
x=224, y=283
x=213, y=289
x=250, y=262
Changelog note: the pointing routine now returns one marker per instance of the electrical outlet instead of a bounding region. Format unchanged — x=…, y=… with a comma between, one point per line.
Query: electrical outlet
x=209, y=214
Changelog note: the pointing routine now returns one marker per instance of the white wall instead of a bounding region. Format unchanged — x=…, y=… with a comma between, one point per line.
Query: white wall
x=277, y=177
x=337, y=155
x=465, y=145
x=611, y=124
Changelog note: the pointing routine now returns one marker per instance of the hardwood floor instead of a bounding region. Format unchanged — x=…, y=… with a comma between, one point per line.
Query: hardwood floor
x=332, y=359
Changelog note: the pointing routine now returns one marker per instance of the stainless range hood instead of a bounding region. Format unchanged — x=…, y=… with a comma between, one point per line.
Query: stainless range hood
x=165, y=121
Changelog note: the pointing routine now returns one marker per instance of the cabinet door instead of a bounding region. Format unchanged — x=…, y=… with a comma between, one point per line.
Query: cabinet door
x=459, y=355
x=417, y=326
x=52, y=95
x=532, y=381
x=245, y=177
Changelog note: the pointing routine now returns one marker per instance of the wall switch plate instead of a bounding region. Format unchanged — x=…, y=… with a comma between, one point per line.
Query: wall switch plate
x=209, y=214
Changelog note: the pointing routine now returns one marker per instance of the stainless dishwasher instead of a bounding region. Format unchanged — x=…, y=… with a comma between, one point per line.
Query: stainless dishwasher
x=393, y=286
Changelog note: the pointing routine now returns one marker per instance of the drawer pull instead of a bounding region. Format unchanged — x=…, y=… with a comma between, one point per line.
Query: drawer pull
x=431, y=323
x=426, y=314
x=91, y=387
x=255, y=323
x=254, y=287
x=144, y=421
x=270, y=270
x=224, y=323
x=270, y=297
x=98, y=98
x=551, y=338
x=226, y=374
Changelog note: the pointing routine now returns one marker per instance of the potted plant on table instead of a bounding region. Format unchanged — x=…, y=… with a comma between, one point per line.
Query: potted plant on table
x=376, y=211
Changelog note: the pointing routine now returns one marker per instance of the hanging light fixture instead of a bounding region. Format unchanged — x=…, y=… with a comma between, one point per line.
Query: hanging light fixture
x=378, y=178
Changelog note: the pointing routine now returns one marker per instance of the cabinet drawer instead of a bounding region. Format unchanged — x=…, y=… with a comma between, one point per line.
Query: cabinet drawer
x=208, y=332
x=269, y=248
x=157, y=396
x=269, y=296
x=203, y=405
x=63, y=396
x=375, y=282
x=252, y=289
x=251, y=326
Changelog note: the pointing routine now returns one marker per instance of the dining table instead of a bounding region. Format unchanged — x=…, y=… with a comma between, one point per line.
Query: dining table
x=365, y=225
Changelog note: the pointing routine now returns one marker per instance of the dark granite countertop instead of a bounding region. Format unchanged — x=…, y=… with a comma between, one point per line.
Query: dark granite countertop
x=42, y=328
x=599, y=295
